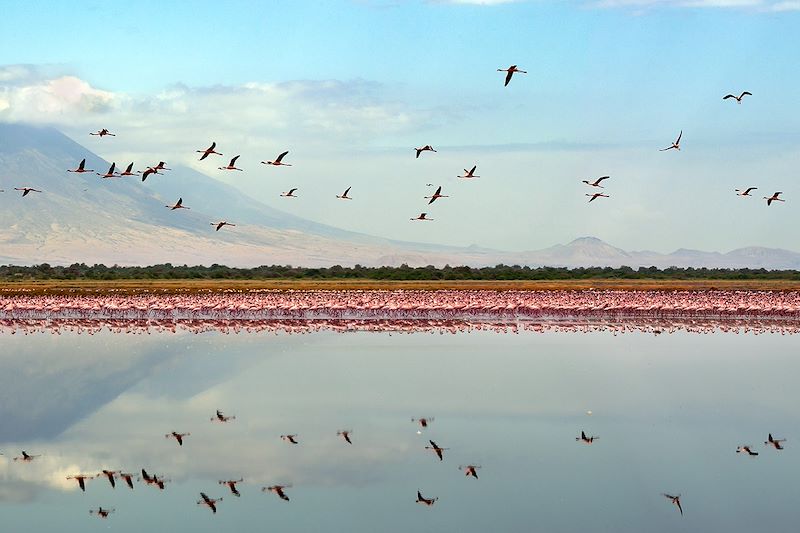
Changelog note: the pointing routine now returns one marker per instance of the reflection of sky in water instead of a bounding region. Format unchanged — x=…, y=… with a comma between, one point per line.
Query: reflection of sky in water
x=670, y=411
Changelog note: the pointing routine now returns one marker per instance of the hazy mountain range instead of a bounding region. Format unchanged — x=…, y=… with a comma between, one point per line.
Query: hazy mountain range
x=83, y=218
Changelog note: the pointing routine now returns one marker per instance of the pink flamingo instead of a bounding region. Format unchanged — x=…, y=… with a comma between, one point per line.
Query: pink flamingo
x=278, y=161
x=208, y=151
x=81, y=168
x=510, y=70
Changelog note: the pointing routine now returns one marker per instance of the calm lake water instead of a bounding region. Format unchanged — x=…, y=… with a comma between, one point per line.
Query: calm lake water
x=670, y=411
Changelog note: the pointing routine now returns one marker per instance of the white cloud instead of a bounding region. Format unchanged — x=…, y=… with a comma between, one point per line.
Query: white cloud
x=755, y=5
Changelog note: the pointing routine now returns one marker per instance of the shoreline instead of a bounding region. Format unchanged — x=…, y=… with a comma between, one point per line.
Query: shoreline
x=190, y=286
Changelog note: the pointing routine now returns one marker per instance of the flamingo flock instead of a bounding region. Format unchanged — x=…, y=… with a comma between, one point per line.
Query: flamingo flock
x=474, y=305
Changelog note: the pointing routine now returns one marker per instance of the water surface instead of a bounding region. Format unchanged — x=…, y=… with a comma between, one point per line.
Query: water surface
x=670, y=411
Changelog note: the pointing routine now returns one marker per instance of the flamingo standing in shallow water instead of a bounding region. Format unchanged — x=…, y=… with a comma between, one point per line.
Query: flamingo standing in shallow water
x=425, y=501
x=676, y=500
x=775, y=443
x=81, y=168
x=110, y=173
x=231, y=484
x=177, y=436
x=596, y=183
x=211, y=503
x=737, y=98
x=26, y=190
x=178, y=205
x=231, y=165
x=279, y=490
x=676, y=145
x=426, y=148
x=103, y=133
x=774, y=198
x=470, y=470
x=438, y=194
x=101, y=513
x=469, y=173
x=278, y=161
x=221, y=224
x=208, y=151
x=745, y=192
x=219, y=417
x=344, y=196
x=597, y=195
x=511, y=70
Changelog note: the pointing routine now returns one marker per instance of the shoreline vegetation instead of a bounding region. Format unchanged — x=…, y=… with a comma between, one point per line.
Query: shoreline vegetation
x=81, y=278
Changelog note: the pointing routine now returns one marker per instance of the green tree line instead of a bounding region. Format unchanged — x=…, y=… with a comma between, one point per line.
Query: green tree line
x=79, y=271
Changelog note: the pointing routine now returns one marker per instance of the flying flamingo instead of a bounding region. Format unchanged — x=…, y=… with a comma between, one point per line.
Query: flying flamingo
x=470, y=470
x=277, y=162
x=129, y=171
x=26, y=190
x=745, y=192
x=290, y=438
x=344, y=196
x=676, y=500
x=345, y=434
x=438, y=194
x=128, y=479
x=597, y=195
x=103, y=133
x=208, y=151
x=26, y=457
x=438, y=450
x=154, y=170
x=81, y=168
x=676, y=145
x=279, y=490
x=596, y=183
x=511, y=70
x=110, y=475
x=774, y=198
x=110, y=173
x=289, y=194
x=153, y=480
x=586, y=440
x=423, y=422
x=219, y=417
x=426, y=148
x=222, y=223
x=422, y=216
x=231, y=484
x=209, y=502
x=81, y=479
x=469, y=173
x=737, y=98
x=425, y=501
x=231, y=165
x=101, y=513
x=775, y=443
x=177, y=436
x=178, y=205
x=747, y=450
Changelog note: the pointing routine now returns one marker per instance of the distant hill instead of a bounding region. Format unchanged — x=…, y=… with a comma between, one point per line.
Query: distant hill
x=81, y=218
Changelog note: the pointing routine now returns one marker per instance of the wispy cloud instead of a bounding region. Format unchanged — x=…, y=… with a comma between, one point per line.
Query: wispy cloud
x=754, y=5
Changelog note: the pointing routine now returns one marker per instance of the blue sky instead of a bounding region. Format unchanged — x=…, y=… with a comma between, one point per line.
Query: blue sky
x=351, y=87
